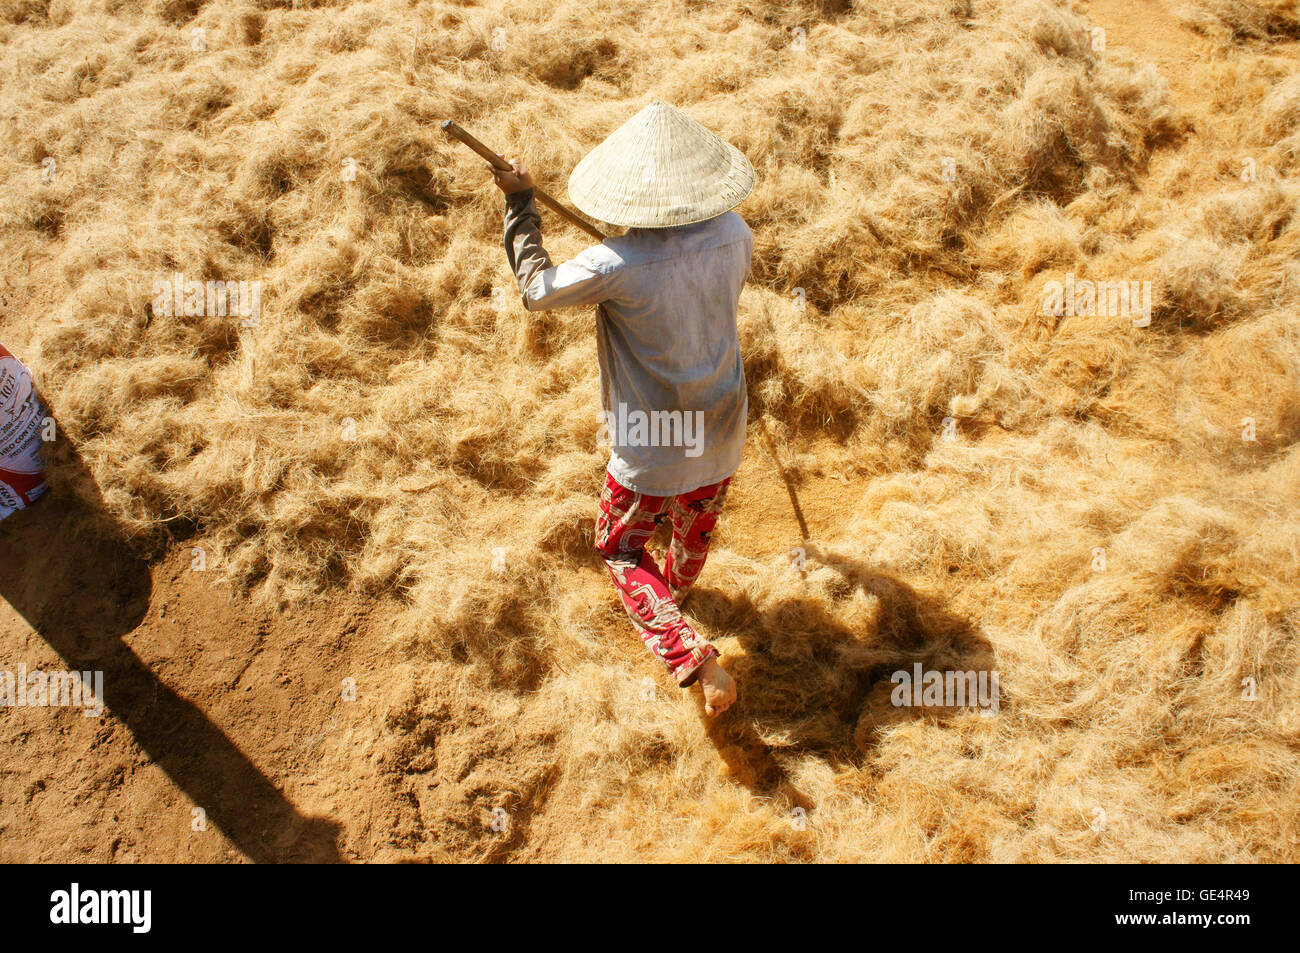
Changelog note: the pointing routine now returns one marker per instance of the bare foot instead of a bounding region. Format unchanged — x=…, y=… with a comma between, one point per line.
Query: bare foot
x=719, y=688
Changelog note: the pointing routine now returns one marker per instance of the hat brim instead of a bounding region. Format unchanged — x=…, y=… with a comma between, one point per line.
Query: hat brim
x=659, y=170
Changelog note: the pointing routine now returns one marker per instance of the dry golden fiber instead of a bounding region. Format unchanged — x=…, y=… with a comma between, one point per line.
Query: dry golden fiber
x=1246, y=19
x=1103, y=510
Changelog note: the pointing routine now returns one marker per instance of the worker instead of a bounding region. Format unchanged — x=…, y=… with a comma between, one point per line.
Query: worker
x=672, y=380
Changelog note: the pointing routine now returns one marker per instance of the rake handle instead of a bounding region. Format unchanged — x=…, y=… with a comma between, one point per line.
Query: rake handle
x=454, y=130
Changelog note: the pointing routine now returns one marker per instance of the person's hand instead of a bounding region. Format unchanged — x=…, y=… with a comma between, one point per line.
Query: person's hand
x=515, y=180
x=719, y=687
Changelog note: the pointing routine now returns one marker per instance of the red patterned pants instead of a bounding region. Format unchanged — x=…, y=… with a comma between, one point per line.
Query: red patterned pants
x=625, y=524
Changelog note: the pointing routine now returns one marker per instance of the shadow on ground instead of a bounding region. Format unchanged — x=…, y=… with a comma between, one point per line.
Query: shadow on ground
x=819, y=686
x=77, y=583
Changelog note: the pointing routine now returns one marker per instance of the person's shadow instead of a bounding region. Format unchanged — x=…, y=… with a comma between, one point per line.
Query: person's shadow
x=72, y=576
x=817, y=686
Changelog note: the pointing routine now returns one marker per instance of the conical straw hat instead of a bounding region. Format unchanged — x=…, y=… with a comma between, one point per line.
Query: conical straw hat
x=660, y=168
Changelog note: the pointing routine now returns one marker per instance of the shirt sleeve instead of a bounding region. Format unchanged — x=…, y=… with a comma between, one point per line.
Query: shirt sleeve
x=543, y=285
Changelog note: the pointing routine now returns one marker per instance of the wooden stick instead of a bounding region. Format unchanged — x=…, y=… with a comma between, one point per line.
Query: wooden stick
x=785, y=478
x=456, y=132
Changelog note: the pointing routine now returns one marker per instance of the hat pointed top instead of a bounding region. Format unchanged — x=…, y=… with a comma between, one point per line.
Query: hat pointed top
x=660, y=168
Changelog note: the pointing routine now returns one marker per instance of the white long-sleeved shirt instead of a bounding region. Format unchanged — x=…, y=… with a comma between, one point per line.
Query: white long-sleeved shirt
x=672, y=381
